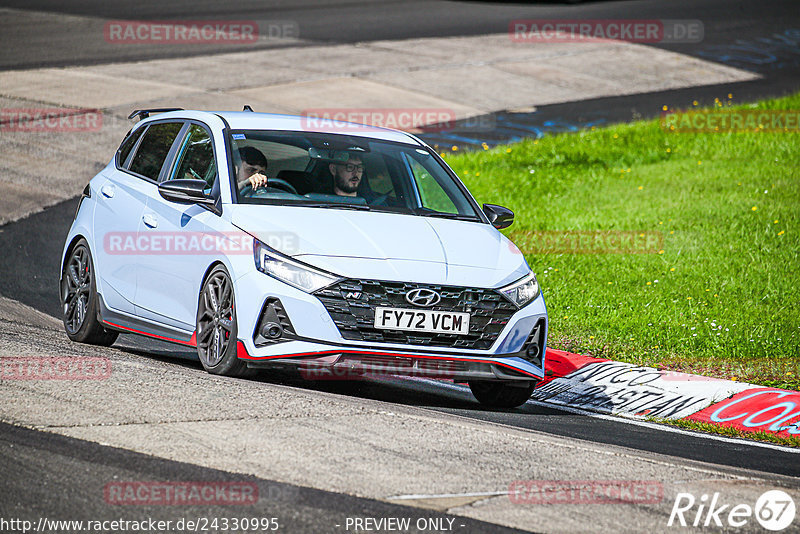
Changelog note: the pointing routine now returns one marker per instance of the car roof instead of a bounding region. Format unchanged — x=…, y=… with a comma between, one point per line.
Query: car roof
x=248, y=120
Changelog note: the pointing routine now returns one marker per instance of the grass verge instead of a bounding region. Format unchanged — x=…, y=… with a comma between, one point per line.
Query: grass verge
x=718, y=297
x=732, y=432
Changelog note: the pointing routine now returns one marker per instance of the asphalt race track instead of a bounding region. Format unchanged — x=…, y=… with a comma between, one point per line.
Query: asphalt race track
x=338, y=450
x=70, y=473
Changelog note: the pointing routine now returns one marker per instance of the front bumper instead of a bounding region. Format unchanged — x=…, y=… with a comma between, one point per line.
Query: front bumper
x=317, y=345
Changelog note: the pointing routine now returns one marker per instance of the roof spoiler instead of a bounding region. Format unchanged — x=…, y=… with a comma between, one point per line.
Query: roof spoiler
x=144, y=113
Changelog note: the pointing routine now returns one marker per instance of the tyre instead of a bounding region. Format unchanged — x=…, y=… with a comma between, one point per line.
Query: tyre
x=216, y=326
x=501, y=394
x=79, y=299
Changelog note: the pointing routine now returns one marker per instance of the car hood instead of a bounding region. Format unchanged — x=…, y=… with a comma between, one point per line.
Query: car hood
x=333, y=238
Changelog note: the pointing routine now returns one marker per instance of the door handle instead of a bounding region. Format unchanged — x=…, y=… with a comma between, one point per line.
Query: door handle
x=150, y=220
x=107, y=190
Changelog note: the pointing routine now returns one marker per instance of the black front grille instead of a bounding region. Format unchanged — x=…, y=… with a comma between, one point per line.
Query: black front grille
x=352, y=303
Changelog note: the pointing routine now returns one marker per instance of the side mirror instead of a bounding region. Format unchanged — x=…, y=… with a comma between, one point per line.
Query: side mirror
x=185, y=192
x=499, y=216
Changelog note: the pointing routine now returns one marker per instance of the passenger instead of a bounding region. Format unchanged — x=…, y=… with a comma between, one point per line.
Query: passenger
x=347, y=176
x=253, y=169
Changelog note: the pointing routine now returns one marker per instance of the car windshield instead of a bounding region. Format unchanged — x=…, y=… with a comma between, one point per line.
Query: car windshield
x=344, y=172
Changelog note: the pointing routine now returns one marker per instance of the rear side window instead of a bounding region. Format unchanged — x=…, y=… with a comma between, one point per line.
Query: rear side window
x=127, y=145
x=153, y=149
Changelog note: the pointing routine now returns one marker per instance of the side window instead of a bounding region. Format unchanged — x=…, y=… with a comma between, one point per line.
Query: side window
x=196, y=157
x=431, y=193
x=153, y=149
x=127, y=145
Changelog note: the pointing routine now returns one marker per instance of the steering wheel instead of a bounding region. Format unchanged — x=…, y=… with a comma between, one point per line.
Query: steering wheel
x=277, y=183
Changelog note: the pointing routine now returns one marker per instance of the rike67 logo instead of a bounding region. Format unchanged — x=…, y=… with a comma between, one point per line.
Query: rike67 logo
x=774, y=510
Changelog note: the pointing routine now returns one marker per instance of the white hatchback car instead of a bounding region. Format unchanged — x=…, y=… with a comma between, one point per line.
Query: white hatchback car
x=262, y=241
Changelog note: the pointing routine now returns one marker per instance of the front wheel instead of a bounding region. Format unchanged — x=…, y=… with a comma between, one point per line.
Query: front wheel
x=79, y=299
x=216, y=326
x=502, y=394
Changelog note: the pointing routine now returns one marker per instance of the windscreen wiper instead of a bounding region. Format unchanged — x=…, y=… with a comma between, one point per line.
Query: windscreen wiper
x=428, y=212
x=334, y=205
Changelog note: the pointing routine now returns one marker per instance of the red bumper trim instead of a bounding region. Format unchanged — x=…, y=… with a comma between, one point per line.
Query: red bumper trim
x=241, y=353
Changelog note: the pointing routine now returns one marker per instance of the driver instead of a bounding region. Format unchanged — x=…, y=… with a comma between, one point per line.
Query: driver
x=347, y=176
x=253, y=169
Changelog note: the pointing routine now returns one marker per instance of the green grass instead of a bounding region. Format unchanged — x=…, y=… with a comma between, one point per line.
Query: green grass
x=710, y=428
x=722, y=299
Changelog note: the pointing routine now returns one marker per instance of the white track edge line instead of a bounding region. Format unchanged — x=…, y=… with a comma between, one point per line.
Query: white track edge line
x=645, y=424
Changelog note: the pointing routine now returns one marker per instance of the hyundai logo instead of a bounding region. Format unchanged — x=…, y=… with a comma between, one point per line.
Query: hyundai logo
x=423, y=297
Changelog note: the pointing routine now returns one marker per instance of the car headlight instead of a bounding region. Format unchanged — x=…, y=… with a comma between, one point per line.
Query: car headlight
x=522, y=291
x=285, y=269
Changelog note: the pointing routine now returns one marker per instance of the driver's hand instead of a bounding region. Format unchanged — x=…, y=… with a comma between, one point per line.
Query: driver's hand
x=258, y=180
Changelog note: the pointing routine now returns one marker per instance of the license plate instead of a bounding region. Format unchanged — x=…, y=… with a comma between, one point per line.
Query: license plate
x=439, y=322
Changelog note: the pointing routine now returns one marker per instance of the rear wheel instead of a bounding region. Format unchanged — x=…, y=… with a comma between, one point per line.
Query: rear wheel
x=216, y=326
x=501, y=394
x=79, y=299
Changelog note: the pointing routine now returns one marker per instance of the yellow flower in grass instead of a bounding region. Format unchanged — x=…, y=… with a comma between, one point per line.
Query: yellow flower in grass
x=754, y=208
